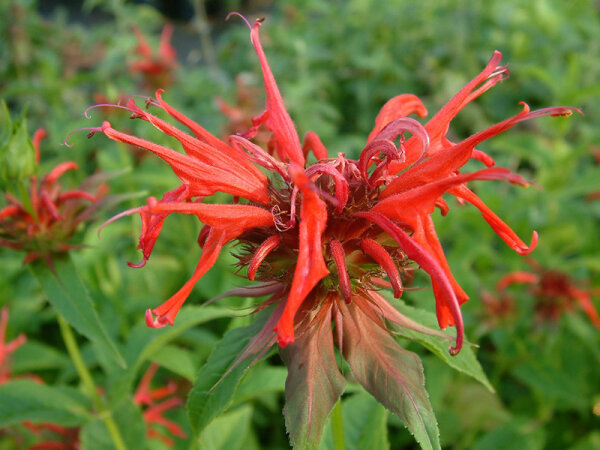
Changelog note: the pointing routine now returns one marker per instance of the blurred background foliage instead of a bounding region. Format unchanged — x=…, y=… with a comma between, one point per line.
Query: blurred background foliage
x=336, y=63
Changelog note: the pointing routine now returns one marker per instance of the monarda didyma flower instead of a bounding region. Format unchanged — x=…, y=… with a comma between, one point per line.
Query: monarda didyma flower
x=323, y=239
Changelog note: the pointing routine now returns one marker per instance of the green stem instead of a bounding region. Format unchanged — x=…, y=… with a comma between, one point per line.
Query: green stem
x=88, y=382
x=337, y=426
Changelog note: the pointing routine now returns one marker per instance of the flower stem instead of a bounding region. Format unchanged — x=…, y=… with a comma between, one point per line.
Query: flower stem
x=337, y=426
x=88, y=382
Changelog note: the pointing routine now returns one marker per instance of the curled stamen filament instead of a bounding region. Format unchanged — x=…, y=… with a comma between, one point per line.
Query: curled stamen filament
x=376, y=251
x=339, y=257
x=261, y=253
x=93, y=130
x=104, y=105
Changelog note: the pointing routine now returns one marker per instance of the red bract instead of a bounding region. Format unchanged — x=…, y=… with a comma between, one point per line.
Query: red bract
x=321, y=238
x=154, y=403
x=555, y=293
x=44, y=223
x=157, y=69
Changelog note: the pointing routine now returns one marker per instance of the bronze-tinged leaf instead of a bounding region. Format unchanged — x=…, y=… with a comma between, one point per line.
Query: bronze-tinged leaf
x=393, y=375
x=314, y=382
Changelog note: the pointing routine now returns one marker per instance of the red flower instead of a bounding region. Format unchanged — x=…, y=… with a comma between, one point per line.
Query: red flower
x=7, y=348
x=555, y=293
x=157, y=69
x=321, y=238
x=44, y=223
x=153, y=411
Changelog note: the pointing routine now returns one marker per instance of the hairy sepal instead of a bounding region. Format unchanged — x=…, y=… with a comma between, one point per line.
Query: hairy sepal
x=314, y=383
x=393, y=375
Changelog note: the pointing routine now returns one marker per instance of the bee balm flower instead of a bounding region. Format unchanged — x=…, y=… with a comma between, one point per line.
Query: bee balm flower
x=323, y=239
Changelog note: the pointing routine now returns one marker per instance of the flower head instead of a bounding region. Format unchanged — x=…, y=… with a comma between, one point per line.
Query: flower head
x=43, y=223
x=555, y=293
x=157, y=69
x=155, y=402
x=323, y=239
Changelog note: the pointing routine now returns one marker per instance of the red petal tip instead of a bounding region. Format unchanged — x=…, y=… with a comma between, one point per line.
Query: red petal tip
x=527, y=250
x=151, y=322
x=284, y=341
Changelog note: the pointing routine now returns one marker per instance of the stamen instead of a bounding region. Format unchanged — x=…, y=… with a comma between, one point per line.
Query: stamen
x=339, y=257
x=235, y=13
x=261, y=253
x=93, y=131
x=376, y=251
x=104, y=105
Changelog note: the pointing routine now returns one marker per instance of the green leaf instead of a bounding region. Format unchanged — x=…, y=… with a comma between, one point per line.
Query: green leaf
x=228, y=432
x=95, y=436
x=144, y=342
x=465, y=362
x=208, y=399
x=365, y=423
x=23, y=400
x=177, y=360
x=314, y=382
x=17, y=154
x=393, y=375
x=69, y=297
x=261, y=381
x=34, y=356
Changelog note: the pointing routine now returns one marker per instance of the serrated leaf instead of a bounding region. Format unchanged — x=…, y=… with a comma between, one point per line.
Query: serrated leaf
x=207, y=399
x=314, y=382
x=23, y=400
x=465, y=362
x=69, y=297
x=393, y=375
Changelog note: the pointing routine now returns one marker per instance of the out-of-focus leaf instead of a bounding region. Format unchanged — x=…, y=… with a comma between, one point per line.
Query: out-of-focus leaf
x=465, y=362
x=177, y=360
x=207, y=399
x=261, y=381
x=365, y=423
x=69, y=297
x=513, y=434
x=228, y=432
x=34, y=356
x=314, y=382
x=95, y=436
x=23, y=400
x=393, y=375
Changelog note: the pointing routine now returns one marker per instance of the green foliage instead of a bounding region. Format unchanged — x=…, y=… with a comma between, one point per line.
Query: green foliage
x=536, y=384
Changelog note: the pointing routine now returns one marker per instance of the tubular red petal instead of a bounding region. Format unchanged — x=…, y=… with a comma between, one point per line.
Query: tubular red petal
x=235, y=219
x=585, y=301
x=165, y=49
x=69, y=195
x=277, y=119
x=261, y=253
x=57, y=172
x=339, y=257
x=376, y=251
x=310, y=268
x=39, y=134
x=397, y=107
x=202, y=179
x=313, y=142
x=428, y=263
x=167, y=312
x=517, y=277
x=10, y=211
x=497, y=224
